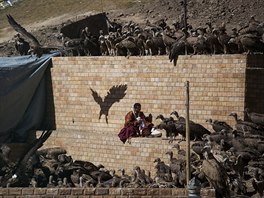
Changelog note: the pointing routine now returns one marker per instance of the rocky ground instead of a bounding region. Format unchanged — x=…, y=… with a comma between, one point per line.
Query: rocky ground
x=235, y=13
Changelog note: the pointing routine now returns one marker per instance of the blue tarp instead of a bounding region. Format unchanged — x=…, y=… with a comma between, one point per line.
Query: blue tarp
x=22, y=95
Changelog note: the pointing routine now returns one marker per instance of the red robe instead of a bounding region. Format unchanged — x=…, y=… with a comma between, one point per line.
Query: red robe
x=134, y=129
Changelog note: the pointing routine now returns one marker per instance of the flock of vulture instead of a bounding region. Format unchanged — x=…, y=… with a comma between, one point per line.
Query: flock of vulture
x=229, y=159
x=157, y=38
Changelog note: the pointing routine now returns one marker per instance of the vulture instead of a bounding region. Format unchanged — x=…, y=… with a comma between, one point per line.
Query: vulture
x=180, y=118
x=36, y=47
x=101, y=175
x=158, y=43
x=219, y=125
x=257, y=118
x=162, y=169
x=130, y=46
x=177, y=48
x=251, y=43
x=180, y=152
x=163, y=119
x=51, y=182
x=223, y=38
x=40, y=178
x=197, y=148
x=253, y=27
x=87, y=181
x=20, y=175
x=51, y=153
x=177, y=167
x=170, y=128
x=216, y=175
x=198, y=131
x=21, y=45
x=87, y=166
x=124, y=177
x=258, y=183
x=139, y=176
x=4, y=155
x=170, y=157
x=168, y=41
x=91, y=46
x=212, y=40
x=244, y=126
x=75, y=177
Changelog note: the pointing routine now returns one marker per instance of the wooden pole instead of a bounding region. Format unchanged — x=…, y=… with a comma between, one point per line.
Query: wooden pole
x=102, y=6
x=185, y=17
x=185, y=14
x=187, y=104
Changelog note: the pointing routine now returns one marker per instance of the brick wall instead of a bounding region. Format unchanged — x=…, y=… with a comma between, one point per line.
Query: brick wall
x=217, y=87
x=99, y=193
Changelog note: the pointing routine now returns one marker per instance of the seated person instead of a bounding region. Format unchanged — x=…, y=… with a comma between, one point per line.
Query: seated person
x=136, y=124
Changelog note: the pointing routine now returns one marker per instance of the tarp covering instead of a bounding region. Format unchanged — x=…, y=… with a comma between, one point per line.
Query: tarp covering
x=22, y=95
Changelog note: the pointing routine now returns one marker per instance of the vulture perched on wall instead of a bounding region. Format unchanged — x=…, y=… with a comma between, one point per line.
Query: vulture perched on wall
x=36, y=47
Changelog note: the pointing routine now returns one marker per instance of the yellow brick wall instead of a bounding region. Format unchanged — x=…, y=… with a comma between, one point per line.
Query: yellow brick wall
x=217, y=87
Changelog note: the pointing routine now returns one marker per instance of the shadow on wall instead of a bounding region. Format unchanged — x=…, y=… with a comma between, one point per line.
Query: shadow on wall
x=254, y=93
x=49, y=121
x=115, y=94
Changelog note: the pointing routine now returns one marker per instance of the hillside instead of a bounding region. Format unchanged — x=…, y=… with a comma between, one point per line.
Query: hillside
x=44, y=17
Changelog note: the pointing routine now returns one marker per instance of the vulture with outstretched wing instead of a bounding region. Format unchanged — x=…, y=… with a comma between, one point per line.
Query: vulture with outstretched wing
x=115, y=94
x=36, y=47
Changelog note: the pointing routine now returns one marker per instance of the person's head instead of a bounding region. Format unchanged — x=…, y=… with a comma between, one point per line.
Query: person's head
x=137, y=107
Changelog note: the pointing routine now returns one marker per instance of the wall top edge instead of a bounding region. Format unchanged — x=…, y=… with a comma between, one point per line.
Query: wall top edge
x=163, y=57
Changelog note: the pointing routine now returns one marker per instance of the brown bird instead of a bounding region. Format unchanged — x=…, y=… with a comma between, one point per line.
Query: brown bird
x=251, y=43
x=36, y=47
x=258, y=183
x=257, y=118
x=215, y=174
x=245, y=126
x=219, y=125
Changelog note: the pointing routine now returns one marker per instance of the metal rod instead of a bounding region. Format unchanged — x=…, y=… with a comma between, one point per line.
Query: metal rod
x=187, y=104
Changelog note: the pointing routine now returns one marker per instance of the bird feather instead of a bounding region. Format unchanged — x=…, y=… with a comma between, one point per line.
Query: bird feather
x=17, y=27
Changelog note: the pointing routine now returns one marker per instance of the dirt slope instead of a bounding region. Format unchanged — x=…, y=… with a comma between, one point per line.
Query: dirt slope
x=235, y=13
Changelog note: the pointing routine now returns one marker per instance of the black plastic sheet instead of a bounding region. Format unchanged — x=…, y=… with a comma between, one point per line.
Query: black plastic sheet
x=22, y=95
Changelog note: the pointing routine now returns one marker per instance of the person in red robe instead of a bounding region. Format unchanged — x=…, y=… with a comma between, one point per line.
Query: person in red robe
x=136, y=124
